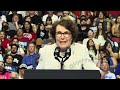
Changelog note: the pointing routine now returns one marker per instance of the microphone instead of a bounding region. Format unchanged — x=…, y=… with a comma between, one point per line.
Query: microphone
x=66, y=56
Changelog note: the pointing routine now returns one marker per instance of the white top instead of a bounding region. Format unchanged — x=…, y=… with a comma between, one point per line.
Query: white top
x=24, y=13
x=110, y=76
x=20, y=51
x=79, y=57
x=3, y=19
x=101, y=40
x=72, y=18
x=19, y=77
x=95, y=57
x=1, y=58
x=54, y=18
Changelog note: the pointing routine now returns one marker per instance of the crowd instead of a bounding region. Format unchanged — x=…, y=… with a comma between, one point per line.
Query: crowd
x=24, y=33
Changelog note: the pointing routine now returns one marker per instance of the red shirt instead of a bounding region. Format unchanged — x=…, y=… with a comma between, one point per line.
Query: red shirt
x=114, y=13
x=23, y=39
x=5, y=42
x=30, y=36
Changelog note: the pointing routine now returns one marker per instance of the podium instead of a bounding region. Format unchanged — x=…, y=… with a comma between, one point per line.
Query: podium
x=61, y=74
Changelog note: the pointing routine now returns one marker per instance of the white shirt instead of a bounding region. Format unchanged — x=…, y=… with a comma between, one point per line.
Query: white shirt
x=95, y=57
x=3, y=19
x=101, y=40
x=110, y=76
x=79, y=57
x=54, y=18
x=72, y=18
x=1, y=58
x=19, y=77
x=24, y=13
x=20, y=51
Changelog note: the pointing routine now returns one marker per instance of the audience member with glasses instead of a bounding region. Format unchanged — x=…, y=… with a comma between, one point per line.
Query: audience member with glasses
x=64, y=33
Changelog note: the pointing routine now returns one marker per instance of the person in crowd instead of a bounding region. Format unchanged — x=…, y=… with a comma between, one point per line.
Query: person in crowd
x=50, y=14
x=87, y=15
x=14, y=24
x=48, y=24
x=9, y=33
x=112, y=50
x=23, y=41
x=17, y=58
x=2, y=50
x=22, y=67
x=116, y=30
x=35, y=19
x=31, y=59
x=9, y=64
x=105, y=53
x=20, y=49
x=10, y=16
x=93, y=52
x=100, y=34
x=5, y=43
x=4, y=74
x=83, y=29
x=102, y=18
x=41, y=32
x=29, y=19
x=28, y=31
x=13, y=75
x=91, y=36
x=48, y=41
x=67, y=14
x=2, y=19
x=105, y=74
x=38, y=44
x=5, y=13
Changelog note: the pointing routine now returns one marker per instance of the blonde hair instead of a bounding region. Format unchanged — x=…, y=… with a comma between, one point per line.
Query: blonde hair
x=28, y=47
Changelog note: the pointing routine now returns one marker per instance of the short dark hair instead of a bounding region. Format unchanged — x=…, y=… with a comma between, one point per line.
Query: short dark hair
x=17, y=46
x=68, y=24
x=107, y=58
x=104, y=51
x=14, y=38
x=6, y=56
x=106, y=44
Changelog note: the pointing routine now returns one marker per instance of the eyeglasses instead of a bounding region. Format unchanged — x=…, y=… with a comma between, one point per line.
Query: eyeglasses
x=10, y=58
x=66, y=34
